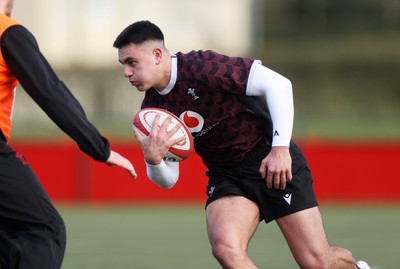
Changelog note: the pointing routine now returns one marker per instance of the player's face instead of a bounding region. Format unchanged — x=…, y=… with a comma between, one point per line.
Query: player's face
x=140, y=65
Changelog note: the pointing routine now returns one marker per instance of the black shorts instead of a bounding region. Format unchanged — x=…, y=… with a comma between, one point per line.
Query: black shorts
x=245, y=180
x=32, y=233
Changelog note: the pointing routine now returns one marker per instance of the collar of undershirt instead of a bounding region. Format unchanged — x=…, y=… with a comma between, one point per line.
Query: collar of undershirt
x=172, y=81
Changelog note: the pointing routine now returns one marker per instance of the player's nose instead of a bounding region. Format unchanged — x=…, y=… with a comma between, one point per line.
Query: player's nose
x=127, y=72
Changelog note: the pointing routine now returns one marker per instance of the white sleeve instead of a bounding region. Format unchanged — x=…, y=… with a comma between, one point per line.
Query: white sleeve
x=279, y=96
x=164, y=174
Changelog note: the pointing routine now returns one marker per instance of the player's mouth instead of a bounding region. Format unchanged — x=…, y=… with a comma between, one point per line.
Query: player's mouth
x=134, y=83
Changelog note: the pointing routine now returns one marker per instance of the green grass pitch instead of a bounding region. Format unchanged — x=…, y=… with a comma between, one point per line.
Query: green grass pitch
x=174, y=237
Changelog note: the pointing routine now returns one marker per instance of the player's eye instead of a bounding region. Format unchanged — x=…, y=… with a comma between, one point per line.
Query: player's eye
x=132, y=63
x=129, y=63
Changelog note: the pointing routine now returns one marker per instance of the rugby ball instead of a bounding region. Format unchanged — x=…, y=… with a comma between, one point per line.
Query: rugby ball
x=143, y=121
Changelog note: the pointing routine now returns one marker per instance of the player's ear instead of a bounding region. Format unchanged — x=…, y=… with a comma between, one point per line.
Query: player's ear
x=158, y=54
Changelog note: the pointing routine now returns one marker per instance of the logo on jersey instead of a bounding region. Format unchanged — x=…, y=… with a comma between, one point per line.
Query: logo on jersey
x=192, y=92
x=194, y=121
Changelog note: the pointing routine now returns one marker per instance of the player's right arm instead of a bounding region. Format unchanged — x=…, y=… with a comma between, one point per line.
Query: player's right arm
x=155, y=146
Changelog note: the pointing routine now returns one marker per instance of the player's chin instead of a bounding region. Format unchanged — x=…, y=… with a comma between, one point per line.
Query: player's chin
x=142, y=88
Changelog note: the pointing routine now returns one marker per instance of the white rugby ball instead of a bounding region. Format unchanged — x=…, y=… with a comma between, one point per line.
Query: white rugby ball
x=143, y=121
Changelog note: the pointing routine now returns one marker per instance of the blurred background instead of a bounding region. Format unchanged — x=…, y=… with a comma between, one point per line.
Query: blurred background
x=343, y=59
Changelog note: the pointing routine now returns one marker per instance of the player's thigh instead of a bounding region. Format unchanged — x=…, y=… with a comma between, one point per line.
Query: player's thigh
x=305, y=234
x=22, y=196
x=232, y=220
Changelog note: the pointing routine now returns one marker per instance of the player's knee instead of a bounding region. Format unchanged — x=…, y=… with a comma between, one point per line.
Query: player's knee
x=221, y=251
x=227, y=254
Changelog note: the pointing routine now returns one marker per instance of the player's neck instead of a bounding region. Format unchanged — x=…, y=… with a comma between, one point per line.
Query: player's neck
x=165, y=74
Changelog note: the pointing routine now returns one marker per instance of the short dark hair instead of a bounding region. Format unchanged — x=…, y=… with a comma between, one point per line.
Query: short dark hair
x=138, y=33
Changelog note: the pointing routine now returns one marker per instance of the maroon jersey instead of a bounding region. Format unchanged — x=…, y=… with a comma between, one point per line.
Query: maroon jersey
x=209, y=96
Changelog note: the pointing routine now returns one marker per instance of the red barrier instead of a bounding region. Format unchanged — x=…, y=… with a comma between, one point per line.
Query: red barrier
x=365, y=171
x=341, y=171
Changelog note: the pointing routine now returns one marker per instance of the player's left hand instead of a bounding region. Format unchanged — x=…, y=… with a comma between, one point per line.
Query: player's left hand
x=276, y=168
x=117, y=159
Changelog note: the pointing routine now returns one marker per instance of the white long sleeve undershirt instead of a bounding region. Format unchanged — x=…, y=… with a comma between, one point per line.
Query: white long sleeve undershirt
x=279, y=96
x=164, y=174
